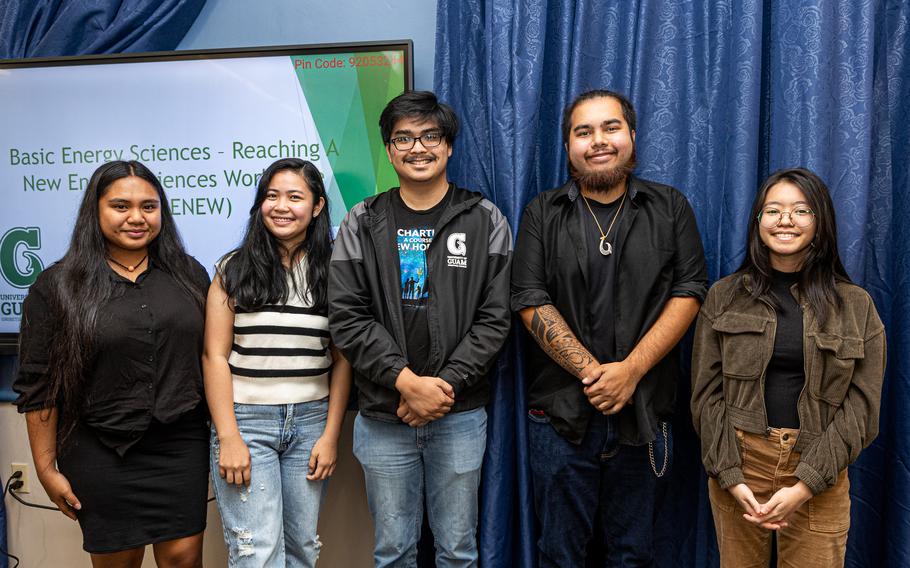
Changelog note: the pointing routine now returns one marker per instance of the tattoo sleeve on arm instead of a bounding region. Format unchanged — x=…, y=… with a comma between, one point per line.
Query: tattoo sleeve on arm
x=554, y=336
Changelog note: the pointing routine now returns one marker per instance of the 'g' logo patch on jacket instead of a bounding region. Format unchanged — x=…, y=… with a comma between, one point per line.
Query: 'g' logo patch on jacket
x=458, y=250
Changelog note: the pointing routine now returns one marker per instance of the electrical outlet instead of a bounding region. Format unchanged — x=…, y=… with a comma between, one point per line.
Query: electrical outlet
x=23, y=467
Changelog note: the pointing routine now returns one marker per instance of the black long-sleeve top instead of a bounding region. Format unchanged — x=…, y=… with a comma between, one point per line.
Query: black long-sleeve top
x=147, y=363
x=785, y=376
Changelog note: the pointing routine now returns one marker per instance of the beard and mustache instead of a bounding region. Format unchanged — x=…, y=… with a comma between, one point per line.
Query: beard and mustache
x=603, y=179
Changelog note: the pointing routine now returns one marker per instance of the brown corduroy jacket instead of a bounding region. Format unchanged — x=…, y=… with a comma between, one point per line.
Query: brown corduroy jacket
x=838, y=407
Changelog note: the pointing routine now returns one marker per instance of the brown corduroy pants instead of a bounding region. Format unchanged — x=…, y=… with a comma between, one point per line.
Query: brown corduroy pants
x=816, y=536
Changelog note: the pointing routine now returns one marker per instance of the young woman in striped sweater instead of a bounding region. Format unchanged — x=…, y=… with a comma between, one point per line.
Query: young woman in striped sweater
x=276, y=387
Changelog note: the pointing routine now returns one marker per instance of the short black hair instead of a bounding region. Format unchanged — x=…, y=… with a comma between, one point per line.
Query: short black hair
x=628, y=111
x=421, y=105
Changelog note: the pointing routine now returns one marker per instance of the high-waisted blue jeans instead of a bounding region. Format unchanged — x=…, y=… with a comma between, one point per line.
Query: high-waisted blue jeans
x=272, y=522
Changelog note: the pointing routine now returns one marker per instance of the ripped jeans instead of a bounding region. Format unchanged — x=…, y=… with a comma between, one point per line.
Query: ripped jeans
x=439, y=462
x=272, y=522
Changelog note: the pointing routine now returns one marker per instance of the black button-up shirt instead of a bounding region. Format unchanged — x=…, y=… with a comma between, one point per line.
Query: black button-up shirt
x=147, y=363
x=662, y=257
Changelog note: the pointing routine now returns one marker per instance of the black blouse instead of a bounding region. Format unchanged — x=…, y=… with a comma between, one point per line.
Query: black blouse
x=148, y=355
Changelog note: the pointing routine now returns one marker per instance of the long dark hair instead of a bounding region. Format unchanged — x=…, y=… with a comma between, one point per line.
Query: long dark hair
x=253, y=275
x=82, y=285
x=822, y=267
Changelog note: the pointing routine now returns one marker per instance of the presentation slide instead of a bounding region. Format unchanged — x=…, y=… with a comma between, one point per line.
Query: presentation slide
x=206, y=123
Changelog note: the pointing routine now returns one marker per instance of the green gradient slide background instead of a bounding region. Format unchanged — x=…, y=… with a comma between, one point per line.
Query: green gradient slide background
x=346, y=104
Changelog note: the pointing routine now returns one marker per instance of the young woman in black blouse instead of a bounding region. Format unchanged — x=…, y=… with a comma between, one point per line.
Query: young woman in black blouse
x=110, y=376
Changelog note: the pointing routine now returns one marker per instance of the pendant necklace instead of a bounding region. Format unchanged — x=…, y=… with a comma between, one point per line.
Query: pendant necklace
x=605, y=247
x=130, y=268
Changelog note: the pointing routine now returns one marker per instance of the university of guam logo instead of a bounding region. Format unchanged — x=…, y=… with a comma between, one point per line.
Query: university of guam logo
x=19, y=265
x=458, y=250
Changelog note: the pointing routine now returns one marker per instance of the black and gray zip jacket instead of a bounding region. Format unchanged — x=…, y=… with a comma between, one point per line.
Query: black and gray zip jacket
x=468, y=313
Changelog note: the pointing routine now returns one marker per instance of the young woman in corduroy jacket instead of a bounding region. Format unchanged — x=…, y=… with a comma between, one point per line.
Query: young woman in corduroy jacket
x=787, y=372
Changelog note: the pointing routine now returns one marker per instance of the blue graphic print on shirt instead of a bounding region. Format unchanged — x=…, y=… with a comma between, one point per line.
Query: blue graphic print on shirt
x=412, y=261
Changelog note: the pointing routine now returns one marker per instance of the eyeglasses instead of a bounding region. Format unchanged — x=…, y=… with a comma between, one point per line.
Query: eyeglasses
x=771, y=217
x=429, y=140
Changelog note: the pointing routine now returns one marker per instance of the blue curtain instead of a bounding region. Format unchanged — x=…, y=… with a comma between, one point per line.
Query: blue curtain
x=726, y=91
x=47, y=28
x=50, y=28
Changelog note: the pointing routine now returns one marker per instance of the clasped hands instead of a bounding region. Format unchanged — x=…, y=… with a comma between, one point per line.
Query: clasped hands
x=609, y=386
x=423, y=399
x=772, y=515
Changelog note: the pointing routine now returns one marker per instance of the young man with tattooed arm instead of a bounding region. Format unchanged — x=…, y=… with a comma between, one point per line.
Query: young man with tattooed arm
x=609, y=273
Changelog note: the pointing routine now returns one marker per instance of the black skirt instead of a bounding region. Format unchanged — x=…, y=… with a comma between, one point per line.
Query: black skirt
x=156, y=492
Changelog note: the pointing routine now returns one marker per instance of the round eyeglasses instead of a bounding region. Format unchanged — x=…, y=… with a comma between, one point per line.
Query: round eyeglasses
x=429, y=140
x=771, y=217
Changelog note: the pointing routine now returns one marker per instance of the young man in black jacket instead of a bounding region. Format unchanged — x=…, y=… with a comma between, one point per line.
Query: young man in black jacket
x=609, y=273
x=419, y=304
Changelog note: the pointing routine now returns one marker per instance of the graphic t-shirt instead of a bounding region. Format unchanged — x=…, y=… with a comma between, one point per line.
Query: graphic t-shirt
x=414, y=232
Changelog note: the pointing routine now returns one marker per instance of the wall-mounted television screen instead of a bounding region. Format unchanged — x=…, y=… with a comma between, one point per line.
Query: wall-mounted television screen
x=206, y=122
